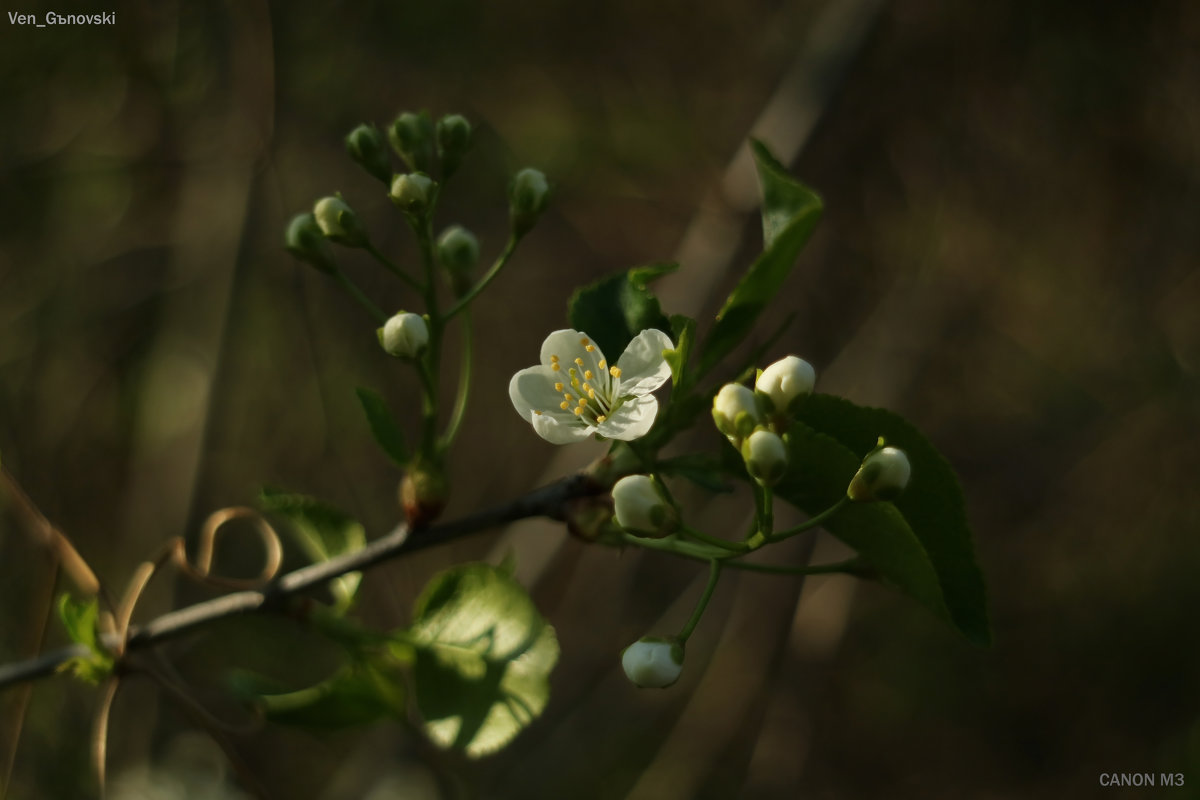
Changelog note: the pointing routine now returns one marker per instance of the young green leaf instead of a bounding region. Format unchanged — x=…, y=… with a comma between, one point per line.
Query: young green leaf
x=683, y=330
x=932, y=503
x=79, y=619
x=483, y=658
x=322, y=532
x=615, y=309
x=790, y=213
x=383, y=426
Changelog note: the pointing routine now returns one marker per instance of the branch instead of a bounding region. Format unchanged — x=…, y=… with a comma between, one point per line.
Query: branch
x=546, y=501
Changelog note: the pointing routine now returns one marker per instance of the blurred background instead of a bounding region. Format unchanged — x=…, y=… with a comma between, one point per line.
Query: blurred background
x=1009, y=258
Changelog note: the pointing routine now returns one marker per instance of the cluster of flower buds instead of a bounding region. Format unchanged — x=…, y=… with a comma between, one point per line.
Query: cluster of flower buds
x=756, y=421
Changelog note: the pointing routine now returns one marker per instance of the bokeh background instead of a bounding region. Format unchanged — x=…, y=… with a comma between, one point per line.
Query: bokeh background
x=1009, y=258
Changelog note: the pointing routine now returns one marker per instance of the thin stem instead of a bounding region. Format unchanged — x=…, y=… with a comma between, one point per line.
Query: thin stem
x=392, y=268
x=714, y=574
x=812, y=522
x=848, y=567
x=474, y=291
x=676, y=546
x=464, y=386
x=100, y=729
x=358, y=295
x=429, y=406
x=724, y=544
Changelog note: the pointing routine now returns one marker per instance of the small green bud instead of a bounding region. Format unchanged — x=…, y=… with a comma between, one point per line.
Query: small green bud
x=528, y=196
x=405, y=335
x=366, y=146
x=639, y=506
x=306, y=242
x=785, y=382
x=411, y=136
x=653, y=662
x=339, y=223
x=883, y=475
x=458, y=253
x=735, y=412
x=766, y=457
x=411, y=192
x=453, y=142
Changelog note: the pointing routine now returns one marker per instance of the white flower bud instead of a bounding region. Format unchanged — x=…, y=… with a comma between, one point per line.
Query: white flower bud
x=405, y=335
x=411, y=192
x=339, y=222
x=766, y=457
x=653, y=663
x=735, y=411
x=786, y=380
x=882, y=476
x=640, y=507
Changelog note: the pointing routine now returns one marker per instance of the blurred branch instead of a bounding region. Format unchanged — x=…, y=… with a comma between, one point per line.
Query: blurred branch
x=546, y=501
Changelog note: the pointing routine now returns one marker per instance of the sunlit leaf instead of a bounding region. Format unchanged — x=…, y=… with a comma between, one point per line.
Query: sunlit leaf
x=483, y=658
x=80, y=620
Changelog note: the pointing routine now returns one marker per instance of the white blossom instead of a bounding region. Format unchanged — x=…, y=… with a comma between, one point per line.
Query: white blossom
x=575, y=392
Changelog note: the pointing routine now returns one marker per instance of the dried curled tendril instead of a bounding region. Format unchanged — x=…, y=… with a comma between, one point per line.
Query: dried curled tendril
x=200, y=570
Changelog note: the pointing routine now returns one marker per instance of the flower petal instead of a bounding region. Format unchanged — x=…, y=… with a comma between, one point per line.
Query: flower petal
x=567, y=344
x=632, y=420
x=533, y=389
x=556, y=429
x=643, y=368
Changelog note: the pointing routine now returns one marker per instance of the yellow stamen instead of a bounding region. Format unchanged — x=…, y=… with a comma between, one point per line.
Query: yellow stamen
x=591, y=348
x=587, y=374
x=567, y=396
x=614, y=371
x=553, y=359
x=578, y=410
x=603, y=364
x=558, y=387
x=554, y=366
x=537, y=412
x=564, y=405
x=583, y=401
x=592, y=393
x=579, y=362
x=600, y=418
x=584, y=341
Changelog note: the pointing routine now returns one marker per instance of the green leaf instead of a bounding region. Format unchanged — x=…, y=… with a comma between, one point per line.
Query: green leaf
x=703, y=469
x=617, y=308
x=683, y=330
x=357, y=694
x=79, y=619
x=483, y=658
x=383, y=426
x=790, y=214
x=932, y=503
x=322, y=531
x=819, y=469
